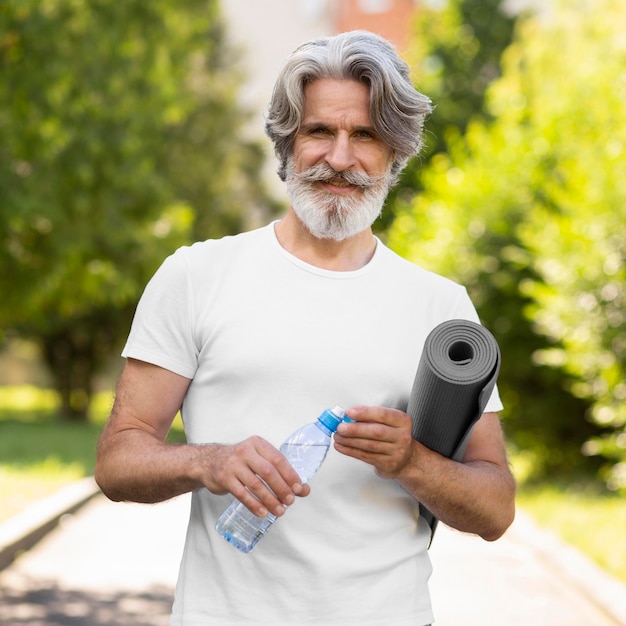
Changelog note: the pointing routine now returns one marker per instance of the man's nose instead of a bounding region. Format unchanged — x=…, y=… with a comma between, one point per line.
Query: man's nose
x=340, y=154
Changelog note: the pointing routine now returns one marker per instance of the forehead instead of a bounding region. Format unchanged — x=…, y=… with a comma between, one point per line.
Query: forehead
x=336, y=101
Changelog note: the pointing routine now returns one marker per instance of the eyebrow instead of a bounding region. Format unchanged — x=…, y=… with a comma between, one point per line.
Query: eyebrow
x=313, y=125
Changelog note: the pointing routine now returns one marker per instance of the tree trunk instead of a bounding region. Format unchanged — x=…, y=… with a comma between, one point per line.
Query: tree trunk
x=74, y=354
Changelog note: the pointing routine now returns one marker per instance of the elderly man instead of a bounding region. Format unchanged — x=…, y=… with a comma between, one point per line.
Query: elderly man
x=254, y=335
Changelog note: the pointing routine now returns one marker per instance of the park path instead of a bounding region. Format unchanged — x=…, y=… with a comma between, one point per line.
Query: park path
x=116, y=564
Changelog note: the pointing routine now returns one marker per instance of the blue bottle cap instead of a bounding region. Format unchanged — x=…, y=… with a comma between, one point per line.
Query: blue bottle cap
x=331, y=418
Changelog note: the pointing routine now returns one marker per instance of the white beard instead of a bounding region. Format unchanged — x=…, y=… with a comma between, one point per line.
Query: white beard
x=333, y=216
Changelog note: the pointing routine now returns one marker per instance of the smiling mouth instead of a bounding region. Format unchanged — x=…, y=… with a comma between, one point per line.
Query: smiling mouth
x=338, y=182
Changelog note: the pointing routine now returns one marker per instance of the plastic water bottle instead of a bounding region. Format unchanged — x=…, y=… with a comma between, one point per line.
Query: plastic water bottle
x=306, y=450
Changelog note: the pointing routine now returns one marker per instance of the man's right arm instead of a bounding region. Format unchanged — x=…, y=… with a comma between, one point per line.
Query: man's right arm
x=135, y=464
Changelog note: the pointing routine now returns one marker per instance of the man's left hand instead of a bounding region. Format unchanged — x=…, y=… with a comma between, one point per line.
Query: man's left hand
x=378, y=436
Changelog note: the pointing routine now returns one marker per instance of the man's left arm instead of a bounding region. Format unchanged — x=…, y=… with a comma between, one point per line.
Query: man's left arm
x=476, y=495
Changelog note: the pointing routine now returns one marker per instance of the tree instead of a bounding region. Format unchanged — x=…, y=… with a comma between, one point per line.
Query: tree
x=108, y=113
x=575, y=231
x=528, y=211
x=455, y=55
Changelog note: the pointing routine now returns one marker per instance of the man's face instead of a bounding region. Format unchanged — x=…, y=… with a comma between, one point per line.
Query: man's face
x=339, y=174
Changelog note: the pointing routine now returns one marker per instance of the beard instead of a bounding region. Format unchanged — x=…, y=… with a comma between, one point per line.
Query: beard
x=334, y=216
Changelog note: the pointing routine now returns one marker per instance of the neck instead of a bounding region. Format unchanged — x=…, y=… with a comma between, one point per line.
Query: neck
x=340, y=256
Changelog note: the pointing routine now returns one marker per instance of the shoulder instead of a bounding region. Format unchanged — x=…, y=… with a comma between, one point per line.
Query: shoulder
x=200, y=259
x=230, y=245
x=413, y=274
x=420, y=290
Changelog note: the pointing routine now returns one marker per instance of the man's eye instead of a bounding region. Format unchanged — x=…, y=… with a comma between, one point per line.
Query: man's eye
x=365, y=134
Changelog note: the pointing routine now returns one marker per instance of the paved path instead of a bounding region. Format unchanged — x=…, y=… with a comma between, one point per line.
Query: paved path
x=528, y=577
x=111, y=564
x=116, y=564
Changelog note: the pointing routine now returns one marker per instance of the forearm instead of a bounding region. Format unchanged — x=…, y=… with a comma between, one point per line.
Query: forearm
x=135, y=466
x=475, y=496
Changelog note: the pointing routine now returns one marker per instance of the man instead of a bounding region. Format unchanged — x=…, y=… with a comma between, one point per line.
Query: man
x=252, y=336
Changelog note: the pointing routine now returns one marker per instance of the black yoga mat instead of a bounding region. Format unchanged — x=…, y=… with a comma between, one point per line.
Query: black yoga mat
x=455, y=377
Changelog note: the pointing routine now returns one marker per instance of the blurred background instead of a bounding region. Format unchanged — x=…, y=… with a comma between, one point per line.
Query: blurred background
x=128, y=129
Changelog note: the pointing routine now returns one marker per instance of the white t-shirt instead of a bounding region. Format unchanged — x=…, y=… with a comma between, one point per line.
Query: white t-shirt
x=269, y=342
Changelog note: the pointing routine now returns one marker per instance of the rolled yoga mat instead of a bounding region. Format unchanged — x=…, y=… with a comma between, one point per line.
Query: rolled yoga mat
x=454, y=380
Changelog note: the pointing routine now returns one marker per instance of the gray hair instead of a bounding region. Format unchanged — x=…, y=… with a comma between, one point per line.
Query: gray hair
x=397, y=109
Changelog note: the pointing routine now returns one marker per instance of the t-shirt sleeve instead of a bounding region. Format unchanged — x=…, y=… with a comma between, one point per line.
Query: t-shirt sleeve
x=162, y=329
x=466, y=310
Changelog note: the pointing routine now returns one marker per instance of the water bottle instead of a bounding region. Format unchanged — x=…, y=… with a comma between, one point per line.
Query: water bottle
x=306, y=450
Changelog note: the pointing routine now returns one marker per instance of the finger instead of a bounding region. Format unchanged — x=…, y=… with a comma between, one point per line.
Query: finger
x=262, y=491
x=374, y=414
x=275, y=478
x=274, y=468
x=360, y=454
x=262, y=501
x=373, y=437
x=386, y=447
x=367, y=440
x=244, y=471
x=387, y=464
x=242, y=493
x=258, y=475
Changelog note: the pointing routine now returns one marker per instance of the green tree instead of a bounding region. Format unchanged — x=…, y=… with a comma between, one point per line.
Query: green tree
x=528, y=211
x=455, y=56
x=119, y=137
x=573, y=112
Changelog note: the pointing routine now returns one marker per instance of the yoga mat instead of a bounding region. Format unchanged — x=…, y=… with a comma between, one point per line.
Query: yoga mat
x=454, y=380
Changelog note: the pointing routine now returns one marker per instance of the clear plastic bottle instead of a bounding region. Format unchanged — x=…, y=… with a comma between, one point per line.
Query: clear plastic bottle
x=306, y=450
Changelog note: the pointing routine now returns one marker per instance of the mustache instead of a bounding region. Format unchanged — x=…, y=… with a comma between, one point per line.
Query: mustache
x=323, y=171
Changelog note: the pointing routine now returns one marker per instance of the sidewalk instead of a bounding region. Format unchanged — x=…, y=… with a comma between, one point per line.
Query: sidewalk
x=116, y=564
x=110, y=564
x=527, y=577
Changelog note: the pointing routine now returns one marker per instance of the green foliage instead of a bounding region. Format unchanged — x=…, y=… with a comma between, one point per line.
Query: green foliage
x=575, y=230
x=39, y=454
x=455, y=56
x=528, y=210
x=571, y=510
x=118, y=143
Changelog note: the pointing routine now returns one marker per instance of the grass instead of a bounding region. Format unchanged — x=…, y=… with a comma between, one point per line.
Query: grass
x=39, y=453
x=583, y=515
x=21, y=487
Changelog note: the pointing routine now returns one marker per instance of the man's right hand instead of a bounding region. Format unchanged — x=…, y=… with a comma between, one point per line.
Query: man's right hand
x=254, y=471
x=135, y=464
